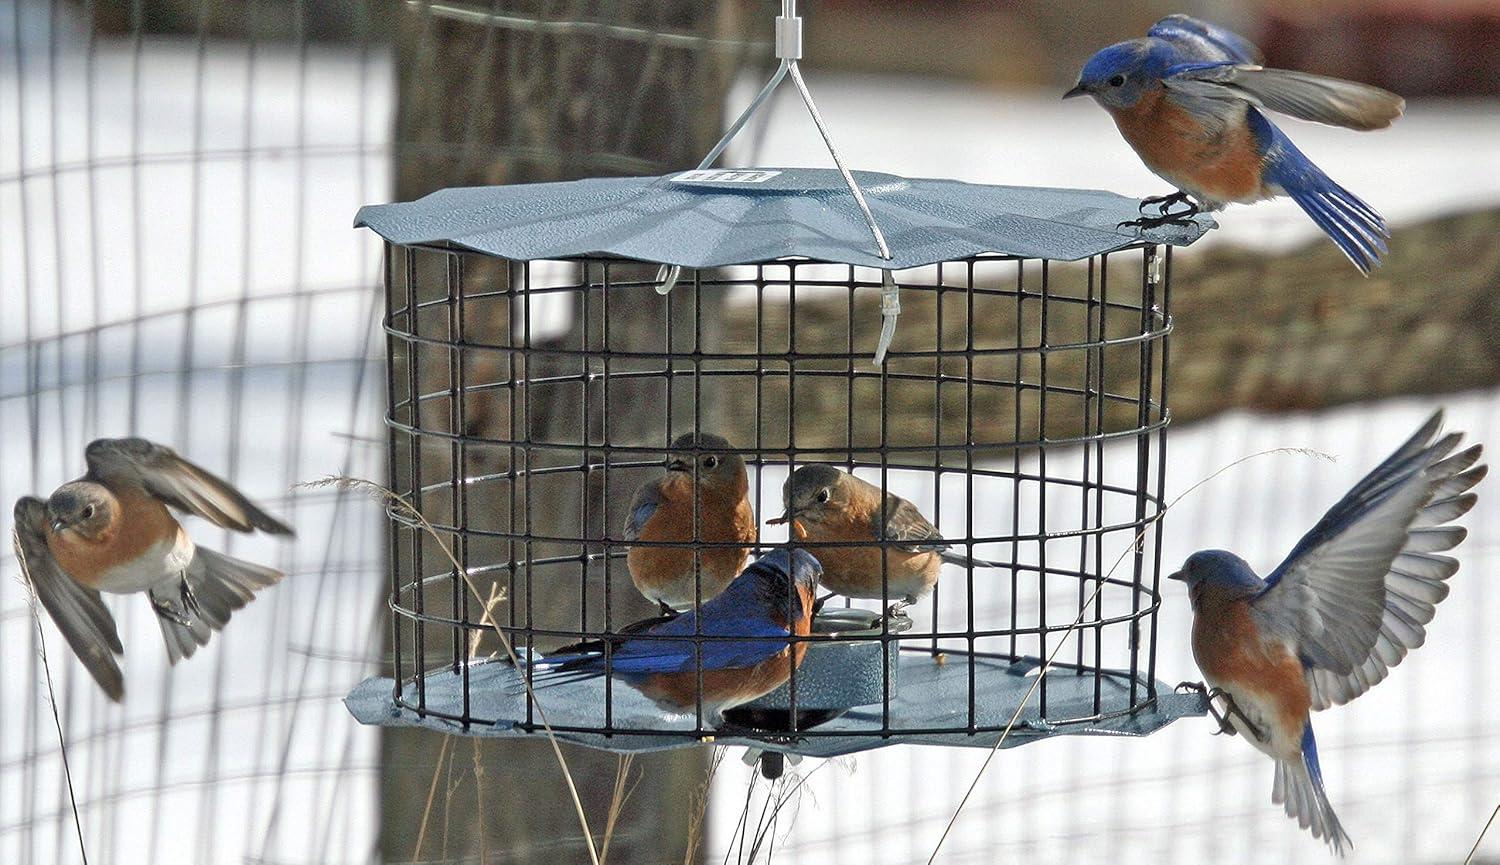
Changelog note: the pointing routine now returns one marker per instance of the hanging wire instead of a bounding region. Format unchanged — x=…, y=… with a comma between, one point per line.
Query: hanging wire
x=789, y=50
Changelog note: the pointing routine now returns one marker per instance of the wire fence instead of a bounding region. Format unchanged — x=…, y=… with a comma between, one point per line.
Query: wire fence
x=175, y=262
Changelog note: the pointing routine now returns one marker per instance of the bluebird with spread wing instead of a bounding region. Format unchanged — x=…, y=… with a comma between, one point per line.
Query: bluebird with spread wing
x=828, y=505
x=1352, y=598
x=702, y=498
x=1189, y=97
x=744, y=649
x=112, y=531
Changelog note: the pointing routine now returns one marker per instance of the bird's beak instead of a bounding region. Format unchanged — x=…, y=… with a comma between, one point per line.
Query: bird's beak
x=1078, y=90
x=1178, y=576
x=676, y=464
x=785, y=518
x=58, y=525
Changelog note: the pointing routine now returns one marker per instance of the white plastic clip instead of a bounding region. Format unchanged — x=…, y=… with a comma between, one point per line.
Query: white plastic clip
x=666, y=278
x=890, y=310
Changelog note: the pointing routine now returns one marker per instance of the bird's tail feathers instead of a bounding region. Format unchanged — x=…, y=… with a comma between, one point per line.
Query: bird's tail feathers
x=220, y=585
x=964, y=561
x=1299, y=787
x=555, y=670
x=1351, y=223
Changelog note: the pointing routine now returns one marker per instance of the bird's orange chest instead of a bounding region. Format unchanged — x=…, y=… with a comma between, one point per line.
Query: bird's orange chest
x=721, y=516
x=141, y=522
x=1176, y=145
x=1229, y=650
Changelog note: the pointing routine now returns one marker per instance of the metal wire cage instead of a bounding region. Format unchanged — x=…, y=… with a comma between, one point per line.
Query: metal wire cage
x=1022, y=408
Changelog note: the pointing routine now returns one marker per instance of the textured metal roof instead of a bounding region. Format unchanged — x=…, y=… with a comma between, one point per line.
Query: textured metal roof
x=747, y=216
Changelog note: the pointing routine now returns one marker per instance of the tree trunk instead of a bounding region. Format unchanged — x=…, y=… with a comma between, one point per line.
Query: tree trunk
x=489, y=99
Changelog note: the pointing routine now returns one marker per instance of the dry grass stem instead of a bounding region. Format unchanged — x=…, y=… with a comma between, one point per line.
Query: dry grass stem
x=624, y=786
x=399, y=501
x=41, y=637
x=699, y=809
x=1482, y=832
x=437, y=771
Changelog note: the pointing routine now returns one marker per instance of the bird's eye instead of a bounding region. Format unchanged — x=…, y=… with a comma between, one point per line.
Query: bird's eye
x=710, y=461
x=822, y=496
x=88, y=511
x=1116, y=80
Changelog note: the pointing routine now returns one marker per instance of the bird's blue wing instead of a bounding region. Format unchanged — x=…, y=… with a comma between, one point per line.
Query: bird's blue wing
x=1204, y=41
x=1355, y=593
x=647, y=499
x=737, y=623
x=731, y=644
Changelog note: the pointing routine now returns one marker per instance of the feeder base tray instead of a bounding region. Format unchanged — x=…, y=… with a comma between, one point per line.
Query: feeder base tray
x=931, y=707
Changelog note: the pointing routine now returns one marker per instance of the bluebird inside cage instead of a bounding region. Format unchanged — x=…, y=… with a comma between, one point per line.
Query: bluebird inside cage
x=544, y=409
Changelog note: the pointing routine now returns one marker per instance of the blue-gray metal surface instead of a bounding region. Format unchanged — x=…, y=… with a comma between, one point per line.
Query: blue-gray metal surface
x=719, y=217
x=933, y=693
x=839, y=674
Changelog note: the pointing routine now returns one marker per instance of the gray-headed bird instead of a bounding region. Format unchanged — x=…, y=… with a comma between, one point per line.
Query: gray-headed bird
x=825, y=504
x=111, y=531
x=1352, y=598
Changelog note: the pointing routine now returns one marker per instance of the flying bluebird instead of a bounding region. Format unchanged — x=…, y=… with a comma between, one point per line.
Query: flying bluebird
x=1348, y=603
x=746, y=653
x=703, y=476
x=1189, y=97
x=825, y=504
x=111, y=531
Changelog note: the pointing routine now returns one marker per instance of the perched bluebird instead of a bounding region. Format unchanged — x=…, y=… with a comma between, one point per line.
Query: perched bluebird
x=111, y=531
x=825, y=504
x=1348, y=603
x=747, y=653
x=704, y=476
x=1188, y=98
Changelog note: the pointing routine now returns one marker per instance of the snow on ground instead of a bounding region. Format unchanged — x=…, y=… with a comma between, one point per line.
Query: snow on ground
x=109, y=215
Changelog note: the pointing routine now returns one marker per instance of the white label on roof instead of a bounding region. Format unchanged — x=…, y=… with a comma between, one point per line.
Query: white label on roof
x=724, y=175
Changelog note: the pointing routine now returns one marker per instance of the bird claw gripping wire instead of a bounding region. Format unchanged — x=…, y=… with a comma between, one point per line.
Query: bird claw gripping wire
x=1165, y=214
x=1230, y=709
x=165, y=610
x=1163, y=203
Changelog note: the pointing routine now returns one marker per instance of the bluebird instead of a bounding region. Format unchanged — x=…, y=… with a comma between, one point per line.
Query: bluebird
x=1331, y=620
x=1188, y=98
x=705, y=476
x=825, y=504
x=111, y=531
x=747, y=653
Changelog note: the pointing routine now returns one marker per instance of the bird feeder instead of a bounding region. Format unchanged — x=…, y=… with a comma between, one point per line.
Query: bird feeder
x=548, y=342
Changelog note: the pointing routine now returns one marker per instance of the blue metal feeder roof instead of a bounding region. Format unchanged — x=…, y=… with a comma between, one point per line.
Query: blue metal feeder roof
x=717, y=217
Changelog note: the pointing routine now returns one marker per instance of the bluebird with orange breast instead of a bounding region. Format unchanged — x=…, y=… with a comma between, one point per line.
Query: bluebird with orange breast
x=747, y=653
x=826, y=504
x=703, y=497
x=111, y=531
x=1188, y=98
x=1327, y=624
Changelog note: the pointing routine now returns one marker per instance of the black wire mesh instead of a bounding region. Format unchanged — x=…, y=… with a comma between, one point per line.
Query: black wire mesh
x=1012, y=385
